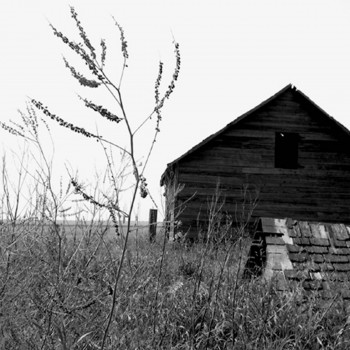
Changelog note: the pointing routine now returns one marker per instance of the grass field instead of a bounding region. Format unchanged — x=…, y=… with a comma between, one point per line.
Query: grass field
x=56, y=292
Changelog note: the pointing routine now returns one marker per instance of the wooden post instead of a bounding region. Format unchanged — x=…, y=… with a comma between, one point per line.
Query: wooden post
x=152, y=224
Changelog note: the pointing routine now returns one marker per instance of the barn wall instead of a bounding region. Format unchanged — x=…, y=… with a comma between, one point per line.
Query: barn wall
x=244, y=155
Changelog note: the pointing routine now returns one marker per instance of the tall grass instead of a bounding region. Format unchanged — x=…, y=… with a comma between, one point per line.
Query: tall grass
x=98, y=253
x=56, y=287
x=79, y=287
x=57, y=282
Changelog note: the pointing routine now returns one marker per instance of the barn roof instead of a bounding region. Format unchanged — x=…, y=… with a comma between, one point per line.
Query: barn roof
x=311, y=253
x=245, y=115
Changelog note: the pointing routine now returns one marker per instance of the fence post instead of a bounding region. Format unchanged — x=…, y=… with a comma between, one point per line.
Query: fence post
x=152, y=224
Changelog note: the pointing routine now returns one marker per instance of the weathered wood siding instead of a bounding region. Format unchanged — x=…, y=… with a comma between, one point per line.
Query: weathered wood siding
x=244, y=155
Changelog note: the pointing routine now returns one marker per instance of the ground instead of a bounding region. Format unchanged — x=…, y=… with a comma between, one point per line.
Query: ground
x=56, y=293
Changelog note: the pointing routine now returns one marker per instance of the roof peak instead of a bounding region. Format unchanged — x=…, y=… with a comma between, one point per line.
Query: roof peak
x=289, y=86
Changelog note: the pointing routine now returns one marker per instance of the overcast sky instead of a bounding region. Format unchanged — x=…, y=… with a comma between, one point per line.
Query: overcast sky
x=235, y=54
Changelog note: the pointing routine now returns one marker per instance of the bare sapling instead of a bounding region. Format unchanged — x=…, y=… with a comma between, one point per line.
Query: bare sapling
x=95, y=59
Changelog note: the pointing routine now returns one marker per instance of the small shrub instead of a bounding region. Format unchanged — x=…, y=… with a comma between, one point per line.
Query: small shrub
x=188, y=269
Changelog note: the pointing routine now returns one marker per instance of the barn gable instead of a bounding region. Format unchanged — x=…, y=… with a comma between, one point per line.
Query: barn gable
x=247, y=114
x=287, y=150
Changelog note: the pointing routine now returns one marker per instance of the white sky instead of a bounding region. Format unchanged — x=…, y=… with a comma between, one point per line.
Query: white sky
x=235, y=54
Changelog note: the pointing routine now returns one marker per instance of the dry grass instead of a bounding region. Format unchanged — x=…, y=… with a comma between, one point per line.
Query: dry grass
x=56, y=293
x=57, y=281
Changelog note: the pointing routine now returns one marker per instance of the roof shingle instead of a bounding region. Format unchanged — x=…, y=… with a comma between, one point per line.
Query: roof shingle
x=311, y=252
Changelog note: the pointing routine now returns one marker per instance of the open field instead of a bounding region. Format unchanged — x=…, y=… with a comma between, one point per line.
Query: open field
x=71, y=229
x=138, y=230
x=56, y=293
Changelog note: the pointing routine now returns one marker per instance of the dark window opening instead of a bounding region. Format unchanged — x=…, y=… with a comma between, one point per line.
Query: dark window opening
x=286, y=150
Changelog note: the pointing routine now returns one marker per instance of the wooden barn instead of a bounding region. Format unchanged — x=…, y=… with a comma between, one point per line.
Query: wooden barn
x=287, y=154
